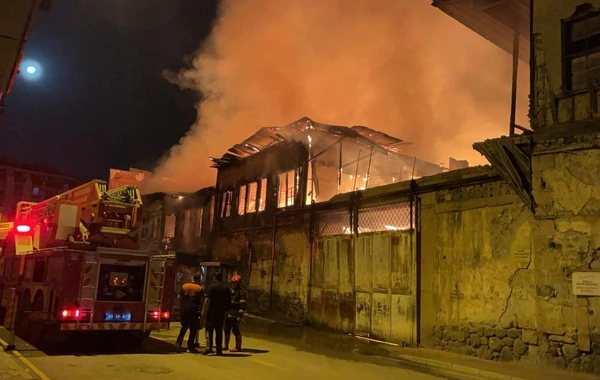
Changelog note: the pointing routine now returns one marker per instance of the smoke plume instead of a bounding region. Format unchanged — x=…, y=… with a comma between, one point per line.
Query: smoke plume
x=399, y=66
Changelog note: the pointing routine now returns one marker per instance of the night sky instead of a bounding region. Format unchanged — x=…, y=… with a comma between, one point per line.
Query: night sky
x=101, y=100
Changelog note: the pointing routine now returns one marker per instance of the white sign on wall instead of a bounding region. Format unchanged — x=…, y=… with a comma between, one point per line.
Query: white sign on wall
x=586, y=283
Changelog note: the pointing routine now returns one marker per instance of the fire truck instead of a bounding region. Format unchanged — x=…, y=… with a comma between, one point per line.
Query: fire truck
x=71, y=264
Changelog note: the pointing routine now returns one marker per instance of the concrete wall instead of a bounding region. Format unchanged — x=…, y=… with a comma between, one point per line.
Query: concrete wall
x=476, y=270
x=566, y=239
x=549, y=90
x=497, y=278
x=278, y=290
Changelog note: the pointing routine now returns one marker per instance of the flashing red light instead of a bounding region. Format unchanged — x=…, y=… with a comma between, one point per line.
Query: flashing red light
x=156, y=314
x=23, y=228
x=72, y=314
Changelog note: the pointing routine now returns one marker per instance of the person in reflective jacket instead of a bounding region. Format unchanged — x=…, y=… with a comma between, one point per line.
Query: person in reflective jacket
x=235, y=313
x=191, y=301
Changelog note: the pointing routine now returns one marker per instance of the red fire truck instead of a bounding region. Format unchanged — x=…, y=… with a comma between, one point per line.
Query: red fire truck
x=71, y=263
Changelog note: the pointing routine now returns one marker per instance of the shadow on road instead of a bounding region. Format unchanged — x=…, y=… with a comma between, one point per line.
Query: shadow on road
x=90, y=344
x=255, y=351
x=236, y=355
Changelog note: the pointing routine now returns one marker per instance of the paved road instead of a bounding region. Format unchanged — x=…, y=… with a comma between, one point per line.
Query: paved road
x=158, y=358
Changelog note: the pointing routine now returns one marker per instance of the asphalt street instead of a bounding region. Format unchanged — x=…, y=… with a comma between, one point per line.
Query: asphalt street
x=263, y=357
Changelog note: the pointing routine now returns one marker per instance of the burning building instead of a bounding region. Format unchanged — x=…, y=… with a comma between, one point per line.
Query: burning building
x=500, y=261
x=307, y=162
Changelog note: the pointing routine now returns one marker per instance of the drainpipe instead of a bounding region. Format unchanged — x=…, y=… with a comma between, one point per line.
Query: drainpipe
x=515, y=73
x=415, y=223
x=311, y=242
x=532, y=71
x=273, y=260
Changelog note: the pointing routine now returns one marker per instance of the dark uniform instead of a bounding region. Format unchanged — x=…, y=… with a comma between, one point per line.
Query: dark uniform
x=235, y=313
x=191, y=300
x=218, y=298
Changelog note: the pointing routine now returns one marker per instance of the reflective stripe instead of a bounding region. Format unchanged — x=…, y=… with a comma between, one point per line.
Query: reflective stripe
x=111, y=326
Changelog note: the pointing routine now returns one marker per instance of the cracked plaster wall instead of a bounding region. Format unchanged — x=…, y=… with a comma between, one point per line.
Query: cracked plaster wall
x=477, y=239
x=567, y=239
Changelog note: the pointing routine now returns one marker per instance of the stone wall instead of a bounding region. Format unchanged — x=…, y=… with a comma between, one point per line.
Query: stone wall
x=487, y=340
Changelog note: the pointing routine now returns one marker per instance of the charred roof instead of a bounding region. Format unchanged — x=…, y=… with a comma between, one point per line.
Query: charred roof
x=269, y=136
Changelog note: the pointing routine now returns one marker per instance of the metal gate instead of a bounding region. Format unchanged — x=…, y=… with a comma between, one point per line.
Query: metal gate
x=384, y=287
x=365, y=283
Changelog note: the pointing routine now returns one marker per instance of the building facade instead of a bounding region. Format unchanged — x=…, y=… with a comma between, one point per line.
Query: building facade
x=28, y=183
x=501, y=262
x=179, y=224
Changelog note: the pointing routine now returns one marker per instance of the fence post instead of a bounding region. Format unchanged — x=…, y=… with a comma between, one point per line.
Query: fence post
x=273, y=245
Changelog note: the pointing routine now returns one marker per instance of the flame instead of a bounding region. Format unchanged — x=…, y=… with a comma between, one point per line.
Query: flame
x=399, y=66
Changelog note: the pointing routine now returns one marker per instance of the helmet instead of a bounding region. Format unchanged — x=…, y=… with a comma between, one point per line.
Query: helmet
x=236, y=278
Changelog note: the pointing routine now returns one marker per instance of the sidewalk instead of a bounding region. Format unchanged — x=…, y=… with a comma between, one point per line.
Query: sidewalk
x=485, y=369
x=461, y=365
x=11, y=368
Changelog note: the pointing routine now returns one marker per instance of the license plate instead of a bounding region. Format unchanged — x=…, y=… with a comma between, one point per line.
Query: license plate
x=125, y=317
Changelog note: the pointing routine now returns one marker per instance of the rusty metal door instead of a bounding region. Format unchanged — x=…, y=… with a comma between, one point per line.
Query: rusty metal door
x=332, y=298
x=385, y=286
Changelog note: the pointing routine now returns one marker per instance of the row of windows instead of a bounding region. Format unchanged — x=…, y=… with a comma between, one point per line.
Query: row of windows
x=252, y=197
x=152, y=225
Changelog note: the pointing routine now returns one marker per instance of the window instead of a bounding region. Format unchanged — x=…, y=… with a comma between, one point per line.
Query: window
x=199, y=215
x=242, y=200
x=186, y=224
x=169, y=226
x=39, y=270
x=121, y=283
x=226, y=204
x=252, y=192
x=581, y=59
x=263, y=194
x=310, y=184
x=286, y=193
x=36, y=191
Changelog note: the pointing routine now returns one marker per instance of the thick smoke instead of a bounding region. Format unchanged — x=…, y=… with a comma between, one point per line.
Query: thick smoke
x=399, y=66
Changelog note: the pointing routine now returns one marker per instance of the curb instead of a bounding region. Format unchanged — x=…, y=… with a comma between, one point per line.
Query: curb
x=22, y=370
x=457, y=368
x=26, y=363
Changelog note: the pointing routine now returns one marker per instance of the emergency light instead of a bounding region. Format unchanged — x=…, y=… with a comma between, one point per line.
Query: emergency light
x=23, y=228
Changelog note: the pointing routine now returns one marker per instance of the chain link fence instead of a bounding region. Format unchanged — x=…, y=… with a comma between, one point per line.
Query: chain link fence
x=393, y=215
x=385, y=217
x=334, y=223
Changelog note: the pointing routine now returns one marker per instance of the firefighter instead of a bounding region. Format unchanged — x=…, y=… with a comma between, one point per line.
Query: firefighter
x=235, y=313
x=213, y=314
x=191, y=301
